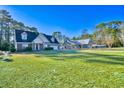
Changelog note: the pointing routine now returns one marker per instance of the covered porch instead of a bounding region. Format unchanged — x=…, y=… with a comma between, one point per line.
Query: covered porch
x=37, y=46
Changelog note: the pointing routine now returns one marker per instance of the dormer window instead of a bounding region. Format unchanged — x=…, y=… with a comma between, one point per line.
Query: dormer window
x=53, y=39
x=24, y=36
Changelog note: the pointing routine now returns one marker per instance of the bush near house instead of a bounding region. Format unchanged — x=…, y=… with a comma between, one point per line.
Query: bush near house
x=28, y=49
x=5, y=46
x=12, y=48
x=48, y=48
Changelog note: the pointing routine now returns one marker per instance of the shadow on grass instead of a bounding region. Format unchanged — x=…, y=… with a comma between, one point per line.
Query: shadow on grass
x=56, y=53
x=69, y=55
x=106, y=56
x=7, y=60
x=105, y=62
x=1, y=58
x=88, y=57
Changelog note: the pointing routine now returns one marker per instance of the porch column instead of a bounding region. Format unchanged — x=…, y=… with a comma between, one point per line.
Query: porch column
x=38, y=46
x=34, y=46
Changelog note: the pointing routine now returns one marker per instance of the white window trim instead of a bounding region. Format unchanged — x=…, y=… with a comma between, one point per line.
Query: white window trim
x=24, y=36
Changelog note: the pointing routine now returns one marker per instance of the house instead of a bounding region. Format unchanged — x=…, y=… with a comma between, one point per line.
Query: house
x=98, y=46
x=36, y=41
x=69, y=44
x=85, y=43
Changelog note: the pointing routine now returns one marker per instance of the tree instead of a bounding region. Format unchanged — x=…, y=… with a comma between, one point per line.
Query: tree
x=114, y=26
x=33, y=29
x=100, y=33
x=121, y=34
x=5, y=22
x=109, y=40
x=103, y=35
x=85, y=34
x=74, y=38
x=107, y=33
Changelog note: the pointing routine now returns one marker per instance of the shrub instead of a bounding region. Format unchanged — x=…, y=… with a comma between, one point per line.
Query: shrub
x=5, y=46
x=28, y=49
x=48, y=48
x=12, y=48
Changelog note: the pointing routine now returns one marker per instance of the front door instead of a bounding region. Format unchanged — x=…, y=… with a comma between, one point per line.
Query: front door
x=36, y=46
x=19, y=47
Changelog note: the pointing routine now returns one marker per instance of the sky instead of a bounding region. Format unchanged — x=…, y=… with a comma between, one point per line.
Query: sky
x=68, y=19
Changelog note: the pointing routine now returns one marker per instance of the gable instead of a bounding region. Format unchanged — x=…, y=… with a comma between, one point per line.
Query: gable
x=51, y=39
x=84, y=41
x=30, y=36
x=43, y=38
x=38, y=39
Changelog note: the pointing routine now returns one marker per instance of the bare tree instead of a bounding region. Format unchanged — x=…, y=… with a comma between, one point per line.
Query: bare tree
x=109, y=40
x=121, y=34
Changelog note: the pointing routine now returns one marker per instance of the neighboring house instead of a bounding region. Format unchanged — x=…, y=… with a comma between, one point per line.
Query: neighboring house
x=88, y=43
x=98, y=46
x=85, y=43
x=69, y=44
x=37, y=41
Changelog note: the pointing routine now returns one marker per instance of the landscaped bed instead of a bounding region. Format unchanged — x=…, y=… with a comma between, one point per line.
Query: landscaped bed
x=84, y=68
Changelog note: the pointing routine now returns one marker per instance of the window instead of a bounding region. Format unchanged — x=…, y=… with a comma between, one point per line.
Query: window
x=53, y=39
x=25, y=45
x=24, y=36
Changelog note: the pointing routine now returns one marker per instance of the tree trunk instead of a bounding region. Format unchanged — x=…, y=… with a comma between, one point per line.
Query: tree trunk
x=109, y=45
x=123, y=44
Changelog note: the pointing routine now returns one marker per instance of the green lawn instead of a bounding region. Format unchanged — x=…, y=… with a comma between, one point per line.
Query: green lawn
x=84, y=68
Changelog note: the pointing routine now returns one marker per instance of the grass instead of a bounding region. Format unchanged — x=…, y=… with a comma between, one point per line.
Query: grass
x=102, y=68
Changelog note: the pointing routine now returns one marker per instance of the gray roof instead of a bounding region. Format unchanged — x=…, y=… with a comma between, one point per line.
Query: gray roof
x=71, y=42
x=84, y=41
